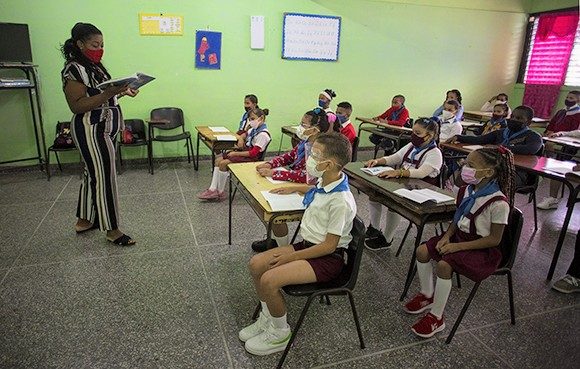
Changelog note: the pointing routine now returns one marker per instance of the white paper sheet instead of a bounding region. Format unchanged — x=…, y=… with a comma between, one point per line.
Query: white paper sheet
x=289, y=202
x=423, y=195
x=219, y=129
x=374, y=171
x=226, y=138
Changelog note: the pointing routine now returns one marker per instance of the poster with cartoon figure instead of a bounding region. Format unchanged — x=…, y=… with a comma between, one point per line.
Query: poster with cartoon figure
x=208, y=49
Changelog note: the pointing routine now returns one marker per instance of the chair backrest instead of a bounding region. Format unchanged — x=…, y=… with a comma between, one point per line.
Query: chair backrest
x=263, y=153
x=137, y=127
x=409, y=123
x=511, y=238
x=355, y=148
x=349, y=274
x=443, y=173
x=173, y=115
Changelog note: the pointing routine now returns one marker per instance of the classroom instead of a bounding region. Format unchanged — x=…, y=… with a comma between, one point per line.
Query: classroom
x=291, y=183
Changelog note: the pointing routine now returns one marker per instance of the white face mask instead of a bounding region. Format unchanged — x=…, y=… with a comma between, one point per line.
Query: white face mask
x=254, y=123
x=311, y=168
x=447, y=115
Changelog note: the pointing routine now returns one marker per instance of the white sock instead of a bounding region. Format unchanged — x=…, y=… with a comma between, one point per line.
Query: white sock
x=265, y=309
x=280, y=240
x=442, y=290
x=425, y=272
x=393, y=220
x=279, y=322
x=222, y=180
x=375, y=210
x=214, y=179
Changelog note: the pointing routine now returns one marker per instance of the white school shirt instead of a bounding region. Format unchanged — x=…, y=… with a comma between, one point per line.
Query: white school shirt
x=329, y=213
x=429, y=166
x=261, y=140
x=449, y=129
x=497, y=212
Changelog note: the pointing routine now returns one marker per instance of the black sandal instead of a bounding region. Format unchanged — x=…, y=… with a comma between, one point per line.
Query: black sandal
x=124, y=240
x=94, y=226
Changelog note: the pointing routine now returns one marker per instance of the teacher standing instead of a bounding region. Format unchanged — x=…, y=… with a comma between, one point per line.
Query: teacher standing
x=96, y=121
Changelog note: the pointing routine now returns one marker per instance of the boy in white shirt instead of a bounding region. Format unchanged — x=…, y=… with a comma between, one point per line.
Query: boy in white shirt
x=449, y=125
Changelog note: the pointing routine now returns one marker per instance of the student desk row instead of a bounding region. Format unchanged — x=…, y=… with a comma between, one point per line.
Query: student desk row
x=208, y=137
x=395, y=133
x=484, y=116
x=382, y=190
x=540, y=165
x=566, y=147
x=288, y=131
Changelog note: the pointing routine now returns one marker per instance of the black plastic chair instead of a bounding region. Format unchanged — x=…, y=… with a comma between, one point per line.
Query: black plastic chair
x=355, y=144
x=137, y=128
x=167, y=119
x=56, y=150
x=509, y=247
x=529, y=188
x=343, y=285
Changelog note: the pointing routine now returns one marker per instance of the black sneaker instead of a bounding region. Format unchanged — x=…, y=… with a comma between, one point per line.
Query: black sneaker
x=261, y=246
x=377, y=243
x=372, y=232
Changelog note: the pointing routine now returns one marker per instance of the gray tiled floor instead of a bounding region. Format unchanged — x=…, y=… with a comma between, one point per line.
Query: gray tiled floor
x=179, y=297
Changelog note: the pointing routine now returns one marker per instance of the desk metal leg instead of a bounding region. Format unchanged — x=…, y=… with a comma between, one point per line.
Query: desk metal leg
x=412, y=266
x=573, y=194
x=280, y=146
x=230, y=200
x=197, y=151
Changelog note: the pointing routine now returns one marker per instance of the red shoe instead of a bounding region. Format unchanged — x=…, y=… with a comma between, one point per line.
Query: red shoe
x=428, y=326
x=418, y=304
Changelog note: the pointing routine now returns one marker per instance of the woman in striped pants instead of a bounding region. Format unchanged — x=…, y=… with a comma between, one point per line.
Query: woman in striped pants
x=97, y=120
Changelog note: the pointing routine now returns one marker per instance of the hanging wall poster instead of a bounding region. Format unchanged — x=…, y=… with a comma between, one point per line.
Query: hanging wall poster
x=208, y=49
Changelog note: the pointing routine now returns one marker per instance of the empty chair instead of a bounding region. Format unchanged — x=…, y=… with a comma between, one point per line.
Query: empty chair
x=139, y=138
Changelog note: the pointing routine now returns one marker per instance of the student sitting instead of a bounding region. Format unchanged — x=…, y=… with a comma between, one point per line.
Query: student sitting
x=498, y=120
x=343, y=112
x=325, y=229
x=396, y=115
x=565, y=120
x=419, y=159
x=250, y=102
x=314, y=123
x=254, y=143
x=495, y=100
x=324, y=99
x=450, y=125
x=469, y=246
x=451, y=95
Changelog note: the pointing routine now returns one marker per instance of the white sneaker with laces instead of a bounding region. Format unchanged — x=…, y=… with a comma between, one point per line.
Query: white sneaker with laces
x=255, y=328
x=270, y=341
x=548, y=203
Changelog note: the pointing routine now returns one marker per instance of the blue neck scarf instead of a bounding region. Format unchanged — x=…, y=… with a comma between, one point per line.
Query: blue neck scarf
x=254, y=133
x=417, y=150
x=243, y=121
x=469, y=198
x=509, y=135
x=309, y=196
x=300, y=153
x=395, y=115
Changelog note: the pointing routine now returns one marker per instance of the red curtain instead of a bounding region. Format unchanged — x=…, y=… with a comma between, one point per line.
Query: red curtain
x=549, y=60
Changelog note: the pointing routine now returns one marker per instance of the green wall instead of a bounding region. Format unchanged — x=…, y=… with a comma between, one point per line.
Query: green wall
x=419, y=48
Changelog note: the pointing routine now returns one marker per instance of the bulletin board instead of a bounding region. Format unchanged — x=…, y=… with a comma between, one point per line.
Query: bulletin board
x=310, y=37
x=159, y=24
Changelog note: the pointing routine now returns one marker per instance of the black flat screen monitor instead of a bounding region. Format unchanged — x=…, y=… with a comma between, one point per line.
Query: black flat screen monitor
x=15, y=43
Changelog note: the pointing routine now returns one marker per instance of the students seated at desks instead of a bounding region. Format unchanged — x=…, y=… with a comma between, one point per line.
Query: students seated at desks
x=254, y=143
x=250, y=102
x=501, y=99
x=517, y=137
x=565, y=120
x=450, y=125
x=498, y=120
x=421, y=158
x=314, y=123
x=469, y=247
x=451, y=95
x=325, y=229
x=343, y=112
x=396, y=115
x=324, y=99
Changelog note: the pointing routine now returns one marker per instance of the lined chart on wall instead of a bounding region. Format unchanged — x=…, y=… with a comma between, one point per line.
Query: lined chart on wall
x=310, y=37
x=160, y=24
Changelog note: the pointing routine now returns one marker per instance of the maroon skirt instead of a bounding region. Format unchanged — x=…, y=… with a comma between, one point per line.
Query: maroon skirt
x=474, y=264
x=327, y=267
x=238, y=159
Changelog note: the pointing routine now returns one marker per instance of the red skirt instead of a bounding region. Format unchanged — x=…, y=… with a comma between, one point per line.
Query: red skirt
x=238, y=159
x=474, y=264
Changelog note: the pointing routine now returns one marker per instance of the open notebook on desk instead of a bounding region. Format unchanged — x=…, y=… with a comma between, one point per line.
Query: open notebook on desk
x=374, y=171
x=423, y=195
x=288, y=202
x=225, y=137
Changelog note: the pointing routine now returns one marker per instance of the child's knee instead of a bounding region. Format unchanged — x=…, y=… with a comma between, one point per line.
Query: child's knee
x=269, y=282
x=223, y=165
x=444, y=270
x=256, y=264
x=423, y=254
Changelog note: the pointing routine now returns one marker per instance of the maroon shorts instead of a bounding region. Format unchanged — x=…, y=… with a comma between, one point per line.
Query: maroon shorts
x=326, y=267
x=474, y=264
x=239, y=159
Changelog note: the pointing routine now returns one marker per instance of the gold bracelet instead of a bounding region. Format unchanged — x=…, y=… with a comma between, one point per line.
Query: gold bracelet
x=401, y=173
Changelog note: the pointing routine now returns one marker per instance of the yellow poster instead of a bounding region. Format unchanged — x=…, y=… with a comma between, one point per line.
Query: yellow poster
x=159, y=24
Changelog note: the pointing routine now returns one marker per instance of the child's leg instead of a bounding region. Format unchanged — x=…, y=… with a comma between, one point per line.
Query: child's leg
x=393, y=221
x=425, y=271
x=280, y=234
x=442, y=288
x=375, y=210
x=554, y=189
x=260, y=263
x=223, y=174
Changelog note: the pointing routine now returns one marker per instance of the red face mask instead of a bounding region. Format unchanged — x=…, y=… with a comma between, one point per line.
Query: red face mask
x=94, y=55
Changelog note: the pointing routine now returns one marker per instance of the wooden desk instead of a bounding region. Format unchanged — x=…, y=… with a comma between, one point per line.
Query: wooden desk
x=394, y=133
x=564, y=147
x=481, y=116
x=289, y=131
x=249, y=183
x=564, y=141
x=469, y=125
x=419, y=214
x=540, y=165
x=207, y=136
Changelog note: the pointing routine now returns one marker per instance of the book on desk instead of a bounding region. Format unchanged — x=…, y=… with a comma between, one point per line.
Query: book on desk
x=375, y=171
x=424, y=195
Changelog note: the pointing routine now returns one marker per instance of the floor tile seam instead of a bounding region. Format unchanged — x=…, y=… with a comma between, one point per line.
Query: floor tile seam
x=492, y=352
x=206, y=278
x=150, y=193
x=26, y=203
x=33, y=233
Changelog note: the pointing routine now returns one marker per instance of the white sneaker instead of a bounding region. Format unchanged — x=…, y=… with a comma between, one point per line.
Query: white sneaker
x=568, y=284
x=255, y=328
x=548, y=203
x=270, y=341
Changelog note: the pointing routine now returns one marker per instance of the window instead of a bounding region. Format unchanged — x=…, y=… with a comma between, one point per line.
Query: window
x=553, y=58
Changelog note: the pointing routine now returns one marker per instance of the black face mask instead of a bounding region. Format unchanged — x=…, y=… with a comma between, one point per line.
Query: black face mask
x=247, y=108
x=514, y=125
x=569, y=103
